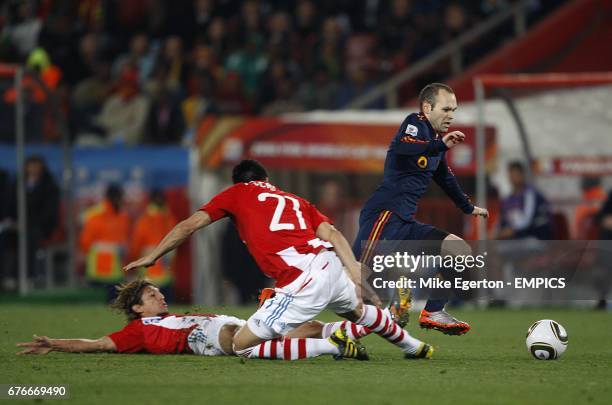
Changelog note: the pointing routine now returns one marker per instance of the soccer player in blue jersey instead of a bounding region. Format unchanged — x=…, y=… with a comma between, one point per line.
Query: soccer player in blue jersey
x=415, y=157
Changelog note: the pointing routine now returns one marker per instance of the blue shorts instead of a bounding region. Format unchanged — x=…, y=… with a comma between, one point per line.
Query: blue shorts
x=385, y=225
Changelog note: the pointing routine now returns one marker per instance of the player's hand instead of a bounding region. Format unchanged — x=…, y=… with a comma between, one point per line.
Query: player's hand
x=453, y=138
x=40, y=345
x=142, y=262
x=480, y=212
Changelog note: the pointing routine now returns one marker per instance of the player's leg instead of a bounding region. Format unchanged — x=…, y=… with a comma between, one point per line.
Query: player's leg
x=214, y=336
x=389, y=227
x=371, y=229
x=248, y=344
x=346, y=304
x=353, y=330
x=266, y=334
x=317, y=329
x=433, y=316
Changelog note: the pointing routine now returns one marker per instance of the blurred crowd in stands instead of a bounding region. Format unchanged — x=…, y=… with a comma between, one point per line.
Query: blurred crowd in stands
x=147, y=71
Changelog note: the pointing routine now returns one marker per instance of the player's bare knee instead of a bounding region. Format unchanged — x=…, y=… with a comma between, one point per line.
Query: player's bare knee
x=310, y=329
x=239, y=343
x=313, y=328
x=455, y=246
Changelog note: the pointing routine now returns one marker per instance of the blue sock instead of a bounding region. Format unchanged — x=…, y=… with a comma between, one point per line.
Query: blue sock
x=435, y=305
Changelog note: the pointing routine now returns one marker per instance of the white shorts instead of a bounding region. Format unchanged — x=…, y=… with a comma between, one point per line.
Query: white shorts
x=204, y=339
x=325, y=285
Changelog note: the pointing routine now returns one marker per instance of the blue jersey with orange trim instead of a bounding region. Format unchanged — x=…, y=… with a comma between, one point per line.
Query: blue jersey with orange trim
x=415, y=157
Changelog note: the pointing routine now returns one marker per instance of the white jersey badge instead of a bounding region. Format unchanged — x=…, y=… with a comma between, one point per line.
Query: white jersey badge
x=411, y=130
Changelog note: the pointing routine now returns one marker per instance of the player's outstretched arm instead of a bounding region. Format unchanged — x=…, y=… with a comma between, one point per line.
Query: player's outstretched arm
x=44, y=345
x=173, y=239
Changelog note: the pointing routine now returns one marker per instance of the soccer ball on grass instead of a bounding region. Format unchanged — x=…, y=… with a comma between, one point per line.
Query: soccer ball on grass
x=546, y=340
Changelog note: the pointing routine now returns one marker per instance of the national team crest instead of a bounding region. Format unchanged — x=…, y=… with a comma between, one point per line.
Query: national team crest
x=411, y=130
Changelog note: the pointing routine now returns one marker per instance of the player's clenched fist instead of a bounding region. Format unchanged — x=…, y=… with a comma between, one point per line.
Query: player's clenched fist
x=480, y=212
x=453, y=138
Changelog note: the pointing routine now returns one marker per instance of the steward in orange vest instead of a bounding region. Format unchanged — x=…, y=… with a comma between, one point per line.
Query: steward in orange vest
x=104, y=238
x=150, y=229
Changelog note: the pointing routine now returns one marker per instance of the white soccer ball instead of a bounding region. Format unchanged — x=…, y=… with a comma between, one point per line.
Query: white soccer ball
x=546, y=340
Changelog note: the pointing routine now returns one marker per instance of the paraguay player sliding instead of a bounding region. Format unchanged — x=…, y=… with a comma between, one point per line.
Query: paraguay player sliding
x=415, y=157
x=296, y=245
x=151, y=329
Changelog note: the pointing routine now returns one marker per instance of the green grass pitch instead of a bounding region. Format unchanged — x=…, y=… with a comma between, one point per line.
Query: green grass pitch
x=489, y=365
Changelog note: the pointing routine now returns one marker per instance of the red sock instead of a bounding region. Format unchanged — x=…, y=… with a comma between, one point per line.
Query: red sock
x=353, y=330
x=290, y=349
x=380, y=322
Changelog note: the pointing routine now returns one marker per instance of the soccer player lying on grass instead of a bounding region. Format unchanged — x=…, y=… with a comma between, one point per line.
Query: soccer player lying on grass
x=152, y=329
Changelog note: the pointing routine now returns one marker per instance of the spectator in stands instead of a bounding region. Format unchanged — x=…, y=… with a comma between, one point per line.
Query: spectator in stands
x=104, y=240
x=42, y=210
x=204, y=62
x=60, y=38
x=320, y=92
x=593, y=196
x=85, y=64
x=397, y=28
x=275, y=73
x=200, y=14
x=140, y=55
x=358, y=83
x=306, y=28
x=217, y=38
x=280, y=36
x=88, y=98
x=525, y=213
x=199, y=103
x=42, y=201
x=8, y=242
x=151, y=227
x=604, y=220
x=330, y=47
x=173, y=59
x=165, y=122
x=285, y=101
x=230, y=98
x=250, y=63
x=250, y=25
x=124, y=114
x=23, y=26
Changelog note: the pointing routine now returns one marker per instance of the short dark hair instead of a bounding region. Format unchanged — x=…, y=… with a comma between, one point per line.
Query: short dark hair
x=36, y=159
x=429, y=93
x=128, y=295
x=114, y=191
x=516, y=165
x=249, y=170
